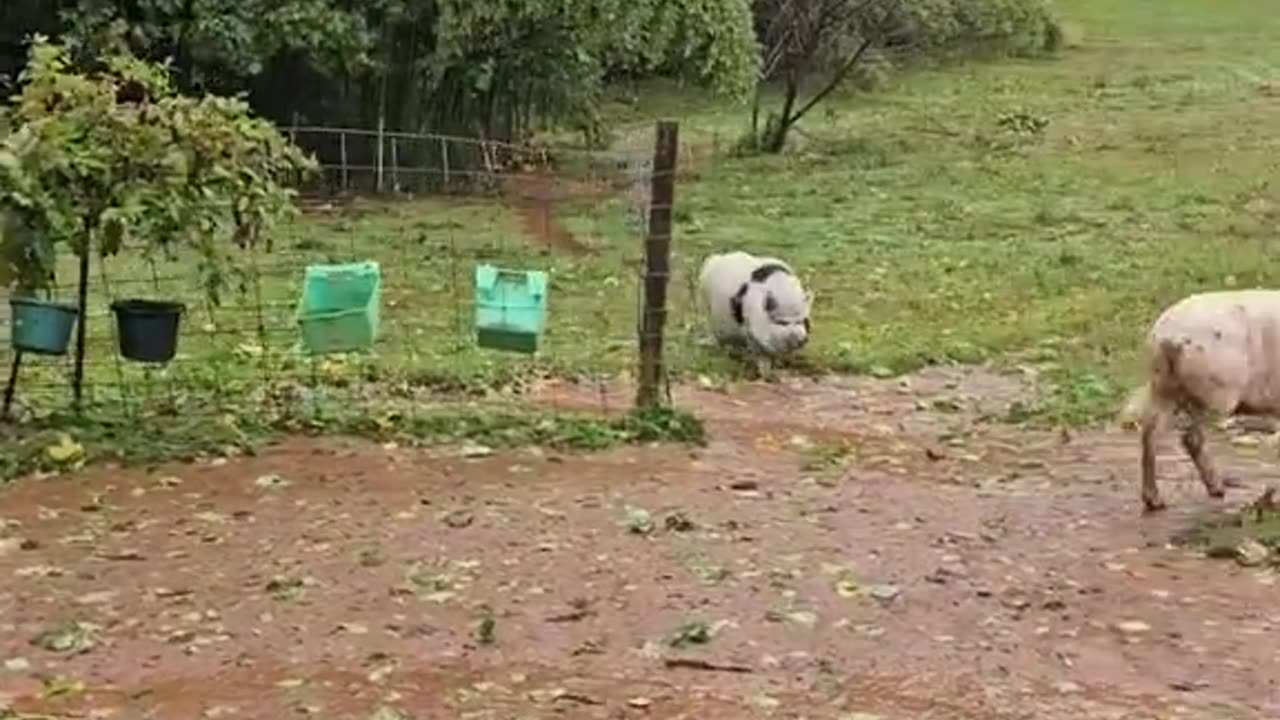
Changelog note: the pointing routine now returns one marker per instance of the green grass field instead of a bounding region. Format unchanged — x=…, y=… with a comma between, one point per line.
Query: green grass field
x=930, y=234
x=931, y=223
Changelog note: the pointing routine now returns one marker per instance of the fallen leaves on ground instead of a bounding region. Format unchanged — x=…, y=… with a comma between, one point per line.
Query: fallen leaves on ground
x=65, y=452
x=486, y=631
x=70, y=637
x=694, y=632
x=9, y=545
x=639, y=521
x=61, y=687
x=270, y=481
x=285, y=588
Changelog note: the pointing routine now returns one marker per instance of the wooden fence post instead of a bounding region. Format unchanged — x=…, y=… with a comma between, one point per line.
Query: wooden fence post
x=444, y=161
x=342, y=151
x=657, y=262
x=395, y=165
x=382, y=130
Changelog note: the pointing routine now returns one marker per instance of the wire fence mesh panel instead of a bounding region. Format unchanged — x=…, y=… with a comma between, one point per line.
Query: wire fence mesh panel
x=449, y=206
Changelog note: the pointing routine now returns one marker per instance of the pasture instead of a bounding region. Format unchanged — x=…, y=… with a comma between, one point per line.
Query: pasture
x=930, y=516
x=1033, y=215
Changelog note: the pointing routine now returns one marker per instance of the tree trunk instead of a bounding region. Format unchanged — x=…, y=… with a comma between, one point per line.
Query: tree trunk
x=183, y=51
x=777, y=131
x=755, y=115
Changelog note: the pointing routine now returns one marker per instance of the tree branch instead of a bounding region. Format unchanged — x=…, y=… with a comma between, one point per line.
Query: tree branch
x=774, y=57
x=849, y=64
x=777, y=46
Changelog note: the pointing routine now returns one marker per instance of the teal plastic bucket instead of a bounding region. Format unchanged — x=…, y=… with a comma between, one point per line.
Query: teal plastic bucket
x=40, y=327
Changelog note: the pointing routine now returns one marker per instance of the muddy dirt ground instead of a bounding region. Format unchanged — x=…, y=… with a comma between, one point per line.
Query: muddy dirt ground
x=851, y=549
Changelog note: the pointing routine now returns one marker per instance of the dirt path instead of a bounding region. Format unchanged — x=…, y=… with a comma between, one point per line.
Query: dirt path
x=534, y=198
x=847, y=550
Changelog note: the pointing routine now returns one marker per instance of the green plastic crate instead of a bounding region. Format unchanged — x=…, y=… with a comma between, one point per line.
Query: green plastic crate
x=511, y=308
x=338, y=311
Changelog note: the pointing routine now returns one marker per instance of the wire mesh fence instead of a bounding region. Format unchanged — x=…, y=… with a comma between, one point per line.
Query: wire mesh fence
x=448, y=205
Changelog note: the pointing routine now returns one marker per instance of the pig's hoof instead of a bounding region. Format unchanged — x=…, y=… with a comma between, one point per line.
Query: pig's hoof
x=1217, y=493
x=1152, y=505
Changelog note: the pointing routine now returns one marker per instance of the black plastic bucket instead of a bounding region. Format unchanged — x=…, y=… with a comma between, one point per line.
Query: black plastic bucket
x=148, y=329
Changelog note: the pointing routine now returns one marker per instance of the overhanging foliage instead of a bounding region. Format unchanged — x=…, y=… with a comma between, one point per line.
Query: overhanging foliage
x=97, y=157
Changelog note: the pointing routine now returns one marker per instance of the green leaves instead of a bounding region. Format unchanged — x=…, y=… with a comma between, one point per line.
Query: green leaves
x=453, y=66
x=99, y=158
x=491, y=59
x=222, y=41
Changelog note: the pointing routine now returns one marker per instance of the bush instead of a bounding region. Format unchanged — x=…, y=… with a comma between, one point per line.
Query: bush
x=974, y=27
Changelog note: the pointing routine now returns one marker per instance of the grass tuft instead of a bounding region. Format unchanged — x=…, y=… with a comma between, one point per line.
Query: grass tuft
x=61, y=443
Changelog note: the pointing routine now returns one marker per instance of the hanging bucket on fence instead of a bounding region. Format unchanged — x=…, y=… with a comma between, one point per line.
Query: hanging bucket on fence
x=338, y=311
x=40, y=327
x=147, y=329
x=511, y=308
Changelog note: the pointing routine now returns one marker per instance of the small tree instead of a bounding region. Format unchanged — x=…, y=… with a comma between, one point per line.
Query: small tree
x=816, y=45
x=98, y=157
x=806, y=39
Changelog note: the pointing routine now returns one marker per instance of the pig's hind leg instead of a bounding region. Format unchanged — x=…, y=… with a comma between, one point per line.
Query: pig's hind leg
x=1193, y=441
x=1222, y=402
